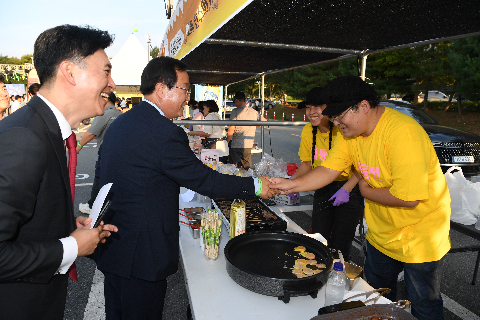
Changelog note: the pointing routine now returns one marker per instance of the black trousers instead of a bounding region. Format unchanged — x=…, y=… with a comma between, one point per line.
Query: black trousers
x=337, y=224
x=129, y=299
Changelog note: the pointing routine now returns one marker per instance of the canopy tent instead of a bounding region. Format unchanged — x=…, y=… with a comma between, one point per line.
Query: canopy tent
x=128, y=63
x=226, y=41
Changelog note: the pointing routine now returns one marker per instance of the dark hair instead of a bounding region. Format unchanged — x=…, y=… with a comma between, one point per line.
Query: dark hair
x=2, y=78
x=200, y=106
x=160, y=70
x=112, y=97
x=66, y=43
x=33, y=89
x=240, y=96
x=212, y=105
x=17, y=97
x=193, y=104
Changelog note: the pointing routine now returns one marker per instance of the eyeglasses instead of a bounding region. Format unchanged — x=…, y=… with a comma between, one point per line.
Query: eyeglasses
x=338, y=118
x=187, y=91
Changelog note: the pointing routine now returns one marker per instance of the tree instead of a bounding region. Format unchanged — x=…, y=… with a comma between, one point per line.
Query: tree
x=154, y=52
x=464, y=59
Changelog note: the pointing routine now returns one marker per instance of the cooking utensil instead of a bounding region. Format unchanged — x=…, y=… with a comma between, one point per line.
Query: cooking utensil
x=262, y=262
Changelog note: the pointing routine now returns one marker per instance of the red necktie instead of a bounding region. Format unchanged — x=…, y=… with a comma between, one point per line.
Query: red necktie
x=71, y=143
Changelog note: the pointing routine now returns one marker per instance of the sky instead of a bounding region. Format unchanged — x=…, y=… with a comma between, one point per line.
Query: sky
x=22, y=21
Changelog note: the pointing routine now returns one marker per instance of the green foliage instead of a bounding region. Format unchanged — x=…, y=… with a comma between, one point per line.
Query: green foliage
x=464, y=57
x=154, y=52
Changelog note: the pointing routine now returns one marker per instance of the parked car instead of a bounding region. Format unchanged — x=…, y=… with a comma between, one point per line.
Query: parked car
x=453, y=147
x=435, y=96
x=252, y=103
x=230, y=105
x=408, y=97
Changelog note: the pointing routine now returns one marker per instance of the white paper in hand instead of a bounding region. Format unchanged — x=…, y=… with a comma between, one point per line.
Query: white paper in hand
x=98, y=203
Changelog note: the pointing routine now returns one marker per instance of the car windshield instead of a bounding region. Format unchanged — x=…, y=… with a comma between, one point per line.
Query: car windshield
x=413, y=112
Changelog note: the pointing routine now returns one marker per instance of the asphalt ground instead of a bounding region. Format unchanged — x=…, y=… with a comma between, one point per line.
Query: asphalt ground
x=85, y=298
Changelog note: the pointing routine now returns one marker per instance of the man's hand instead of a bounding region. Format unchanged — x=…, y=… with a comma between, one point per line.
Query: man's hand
x=78, y=149
x=88, y=239
x=266, y=192
x=282, y=186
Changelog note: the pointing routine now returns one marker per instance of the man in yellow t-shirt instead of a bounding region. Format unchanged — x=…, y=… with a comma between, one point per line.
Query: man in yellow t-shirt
x=407, y=200
x=338, y=207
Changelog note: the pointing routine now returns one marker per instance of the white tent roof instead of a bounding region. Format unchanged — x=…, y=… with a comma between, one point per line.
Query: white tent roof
x=129, y=62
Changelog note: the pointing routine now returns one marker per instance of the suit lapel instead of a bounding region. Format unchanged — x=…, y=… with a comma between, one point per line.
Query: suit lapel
x=55, y=135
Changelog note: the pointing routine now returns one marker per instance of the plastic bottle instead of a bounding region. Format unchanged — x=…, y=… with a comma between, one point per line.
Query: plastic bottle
x=335, y=285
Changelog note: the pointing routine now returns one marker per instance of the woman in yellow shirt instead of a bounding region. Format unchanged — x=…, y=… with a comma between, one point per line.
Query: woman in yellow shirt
x=338, y=207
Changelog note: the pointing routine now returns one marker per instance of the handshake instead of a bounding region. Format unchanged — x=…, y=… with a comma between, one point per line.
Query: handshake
x=274, y=186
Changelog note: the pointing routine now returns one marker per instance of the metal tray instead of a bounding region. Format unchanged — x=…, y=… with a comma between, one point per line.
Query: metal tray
x=368, y=312
x=256, y=221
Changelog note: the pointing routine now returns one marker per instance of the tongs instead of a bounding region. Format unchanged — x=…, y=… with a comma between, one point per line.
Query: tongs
x=381, y=292
x=404, y=304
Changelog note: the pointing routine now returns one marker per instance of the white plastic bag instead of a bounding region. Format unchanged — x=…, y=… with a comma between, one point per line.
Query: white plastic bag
x=465, y=197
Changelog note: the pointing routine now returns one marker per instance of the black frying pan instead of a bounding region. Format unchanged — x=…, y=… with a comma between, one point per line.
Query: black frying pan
x=262, y=261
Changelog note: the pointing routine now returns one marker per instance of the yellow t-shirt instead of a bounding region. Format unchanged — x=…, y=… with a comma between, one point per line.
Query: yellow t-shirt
x=321, y=148
x=400, y=156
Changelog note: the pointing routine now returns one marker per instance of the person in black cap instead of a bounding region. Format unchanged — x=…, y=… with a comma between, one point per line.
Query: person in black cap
x=337, y=207
x=407, y=200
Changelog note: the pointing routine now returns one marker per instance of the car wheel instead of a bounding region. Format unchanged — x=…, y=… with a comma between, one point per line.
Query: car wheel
x=270, y=106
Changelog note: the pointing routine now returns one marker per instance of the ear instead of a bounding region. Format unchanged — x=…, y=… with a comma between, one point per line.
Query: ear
x=66, y=69
x=160, y=90
x=365, y=106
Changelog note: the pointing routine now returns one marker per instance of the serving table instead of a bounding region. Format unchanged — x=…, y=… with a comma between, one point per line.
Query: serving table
x=214, y=295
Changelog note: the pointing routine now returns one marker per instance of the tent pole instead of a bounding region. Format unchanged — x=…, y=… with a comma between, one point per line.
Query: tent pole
x=225, y=102
x=364, y=65
x=262, y=130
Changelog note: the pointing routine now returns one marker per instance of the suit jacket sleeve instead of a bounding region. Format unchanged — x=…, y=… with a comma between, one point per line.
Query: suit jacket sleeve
x=182, y=166
x=23, y=159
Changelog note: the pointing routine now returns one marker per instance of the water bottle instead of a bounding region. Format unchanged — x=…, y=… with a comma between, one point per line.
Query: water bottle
x=335, y=285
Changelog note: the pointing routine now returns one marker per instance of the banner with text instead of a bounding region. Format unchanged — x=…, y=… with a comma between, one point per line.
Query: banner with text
x=194, y=21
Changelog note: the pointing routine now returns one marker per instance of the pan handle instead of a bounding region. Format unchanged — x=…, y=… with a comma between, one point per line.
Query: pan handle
x=291, y=291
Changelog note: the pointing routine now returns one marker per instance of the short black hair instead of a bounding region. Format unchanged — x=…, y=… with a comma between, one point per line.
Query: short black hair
x=33, y=89
x=17, y=97
x=2, y=78
x=66, y=43
x=212, y=105
x=112, y=97
x=160, y=70
x=240, y=96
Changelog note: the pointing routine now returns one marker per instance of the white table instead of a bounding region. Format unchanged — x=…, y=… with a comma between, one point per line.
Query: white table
x=214, y=295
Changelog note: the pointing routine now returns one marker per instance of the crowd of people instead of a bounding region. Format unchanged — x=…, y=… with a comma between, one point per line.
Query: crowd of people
x=356, y=154
x=235, y=146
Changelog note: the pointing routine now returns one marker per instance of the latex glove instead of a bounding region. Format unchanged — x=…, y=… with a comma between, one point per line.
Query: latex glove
x=294, y=196
x=341, y=196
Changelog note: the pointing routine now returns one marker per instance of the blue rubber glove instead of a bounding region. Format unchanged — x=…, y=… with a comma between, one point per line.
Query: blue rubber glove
x=341, y=196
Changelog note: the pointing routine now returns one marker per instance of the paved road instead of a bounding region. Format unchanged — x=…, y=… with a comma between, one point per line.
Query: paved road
x=85, y=298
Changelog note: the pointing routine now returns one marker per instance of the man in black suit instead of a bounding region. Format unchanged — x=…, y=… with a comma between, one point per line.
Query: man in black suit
x=147, y=158
x=39, y=235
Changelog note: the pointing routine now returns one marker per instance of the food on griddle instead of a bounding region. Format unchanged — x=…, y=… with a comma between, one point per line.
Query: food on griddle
x=305, y=268
x=254, y=211
x=310, y=255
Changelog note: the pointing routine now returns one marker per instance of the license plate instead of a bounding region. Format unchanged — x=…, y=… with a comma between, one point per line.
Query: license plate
x=462, y=159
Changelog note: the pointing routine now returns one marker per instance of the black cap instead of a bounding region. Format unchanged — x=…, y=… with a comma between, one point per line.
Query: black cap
x=315, y=97
x=301, y=105
x=344, y=92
